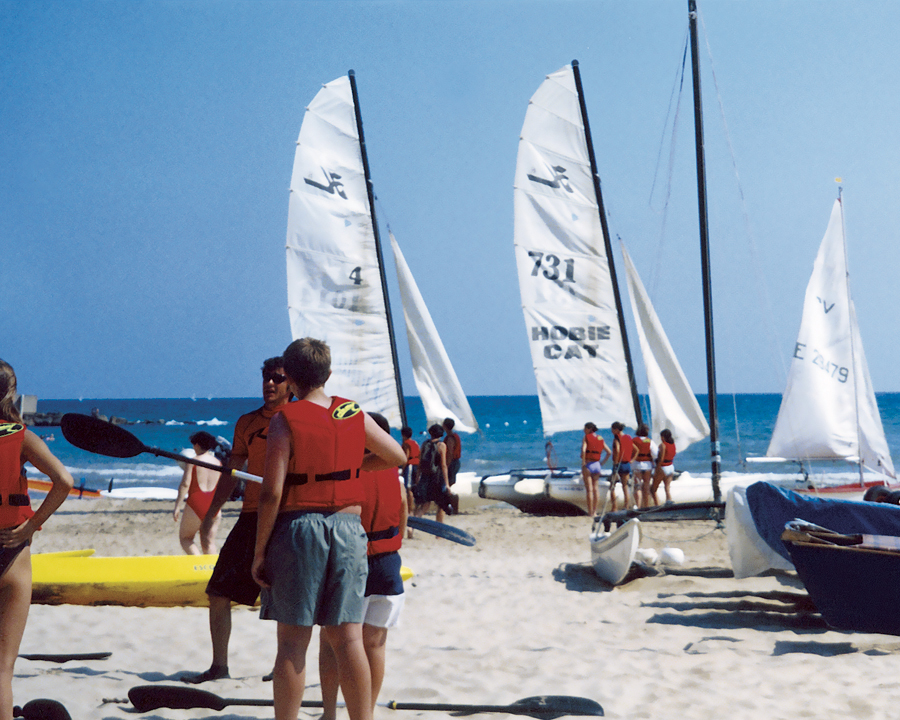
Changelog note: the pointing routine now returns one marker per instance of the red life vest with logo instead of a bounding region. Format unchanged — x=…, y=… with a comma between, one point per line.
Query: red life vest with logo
x=414, y=451
x=381, y=510
x=645, y=451
x=327, y=446
x=15, y=505
x=594, y=449
x=669, y=450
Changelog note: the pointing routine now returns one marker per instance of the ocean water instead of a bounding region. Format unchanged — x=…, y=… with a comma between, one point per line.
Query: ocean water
x=510, y=435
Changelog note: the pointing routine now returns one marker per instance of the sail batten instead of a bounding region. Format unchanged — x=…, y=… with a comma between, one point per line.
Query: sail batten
x=828, y=410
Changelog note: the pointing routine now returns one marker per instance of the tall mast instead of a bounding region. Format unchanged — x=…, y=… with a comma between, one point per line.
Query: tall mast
x=704, y=257
x=607, y=242
x=384, y=290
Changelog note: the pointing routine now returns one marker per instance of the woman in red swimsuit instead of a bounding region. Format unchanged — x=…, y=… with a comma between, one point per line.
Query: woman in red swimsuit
x=198, y=485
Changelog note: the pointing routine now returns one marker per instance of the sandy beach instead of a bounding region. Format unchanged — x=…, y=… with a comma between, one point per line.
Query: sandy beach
x=519, y=614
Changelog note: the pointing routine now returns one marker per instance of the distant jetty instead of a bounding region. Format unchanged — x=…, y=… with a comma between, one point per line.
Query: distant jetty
x=52, y=419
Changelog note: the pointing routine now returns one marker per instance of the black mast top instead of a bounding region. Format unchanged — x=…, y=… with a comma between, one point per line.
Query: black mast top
x=607, y=242
x=384, y=289
x=704, y=257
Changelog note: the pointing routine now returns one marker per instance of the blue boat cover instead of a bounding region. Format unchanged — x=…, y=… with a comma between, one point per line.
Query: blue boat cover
x=771, y=507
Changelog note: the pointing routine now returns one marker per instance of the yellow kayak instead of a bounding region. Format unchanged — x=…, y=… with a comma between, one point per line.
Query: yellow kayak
x=79, y=578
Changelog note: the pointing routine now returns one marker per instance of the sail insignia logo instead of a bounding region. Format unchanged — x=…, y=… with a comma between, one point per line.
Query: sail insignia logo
x=559, y=179
x=567, y=343
x=334, y=183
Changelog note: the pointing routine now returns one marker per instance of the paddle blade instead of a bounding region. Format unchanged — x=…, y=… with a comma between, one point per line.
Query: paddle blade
x=152, y=697
x=555, y=706
x=42, y=709
x=442, y=530
x=100, y=437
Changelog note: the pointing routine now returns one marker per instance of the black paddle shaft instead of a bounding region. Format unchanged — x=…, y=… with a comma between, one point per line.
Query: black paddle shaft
x=547, y=707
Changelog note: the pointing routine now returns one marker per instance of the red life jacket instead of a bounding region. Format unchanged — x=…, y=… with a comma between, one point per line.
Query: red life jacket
x=645, y=452
x=594, y=449
x=381, y=510
x=250, y=434
x=669, y=450
x=626, y=445
x=327, y=446
x=15, y=505
x=414, y=451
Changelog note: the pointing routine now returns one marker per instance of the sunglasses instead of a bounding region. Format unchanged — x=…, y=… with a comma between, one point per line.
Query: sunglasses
x=276, y=378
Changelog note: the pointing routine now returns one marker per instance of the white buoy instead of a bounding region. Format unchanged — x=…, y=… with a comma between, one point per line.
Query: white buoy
x=648, y=556
x=671, y=556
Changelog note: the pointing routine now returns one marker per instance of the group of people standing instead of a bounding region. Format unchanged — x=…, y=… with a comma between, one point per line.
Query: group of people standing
x=318, y=539
x=430, y=470
x=636, y=467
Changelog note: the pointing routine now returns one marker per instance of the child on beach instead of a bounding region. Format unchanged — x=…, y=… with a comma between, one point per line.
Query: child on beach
x=384, y=514
x=410, y=469
x=665, y=470
x=593, y=455
x=18, y=523
x=643, y=466
x=434, y=477
x=198, y=485
x=310, y=556
x=622, y=454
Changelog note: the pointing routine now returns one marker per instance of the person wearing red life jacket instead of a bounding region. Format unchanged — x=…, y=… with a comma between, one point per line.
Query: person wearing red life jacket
x=232, y=580
x=18, y=523
x=623, y=451
x=410, y=469
x=593, y=455
x=310, y=555
x=384, y=514
x=643, y=466
x=665, y=469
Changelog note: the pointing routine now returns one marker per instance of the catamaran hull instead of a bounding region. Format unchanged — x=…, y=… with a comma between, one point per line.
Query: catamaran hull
x=532, y=491
x=613, y=552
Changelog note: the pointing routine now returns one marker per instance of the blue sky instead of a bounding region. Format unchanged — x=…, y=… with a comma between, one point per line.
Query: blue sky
x=147, y=147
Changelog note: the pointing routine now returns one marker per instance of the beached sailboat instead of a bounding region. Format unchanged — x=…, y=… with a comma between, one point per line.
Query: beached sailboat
x=828, y=410
x=572, y=306
x=337, y=287
x=612, y=553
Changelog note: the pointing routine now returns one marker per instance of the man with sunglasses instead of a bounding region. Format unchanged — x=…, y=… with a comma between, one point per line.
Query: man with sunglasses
x=232, y=580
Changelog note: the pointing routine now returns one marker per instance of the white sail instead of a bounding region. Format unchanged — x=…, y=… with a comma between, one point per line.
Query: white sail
x=564, y=277
x=440, y=390
x=334, y=280
x=828, y=409
x=672, y=402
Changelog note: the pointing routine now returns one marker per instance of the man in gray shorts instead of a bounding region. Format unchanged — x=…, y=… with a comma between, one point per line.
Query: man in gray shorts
x=310, y=556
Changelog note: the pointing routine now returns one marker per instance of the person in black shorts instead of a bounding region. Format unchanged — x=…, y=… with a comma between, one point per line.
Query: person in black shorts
x=231, y=580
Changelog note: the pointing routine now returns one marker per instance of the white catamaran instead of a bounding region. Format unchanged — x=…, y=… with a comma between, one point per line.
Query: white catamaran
x=572, y=307
x=337, y=290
